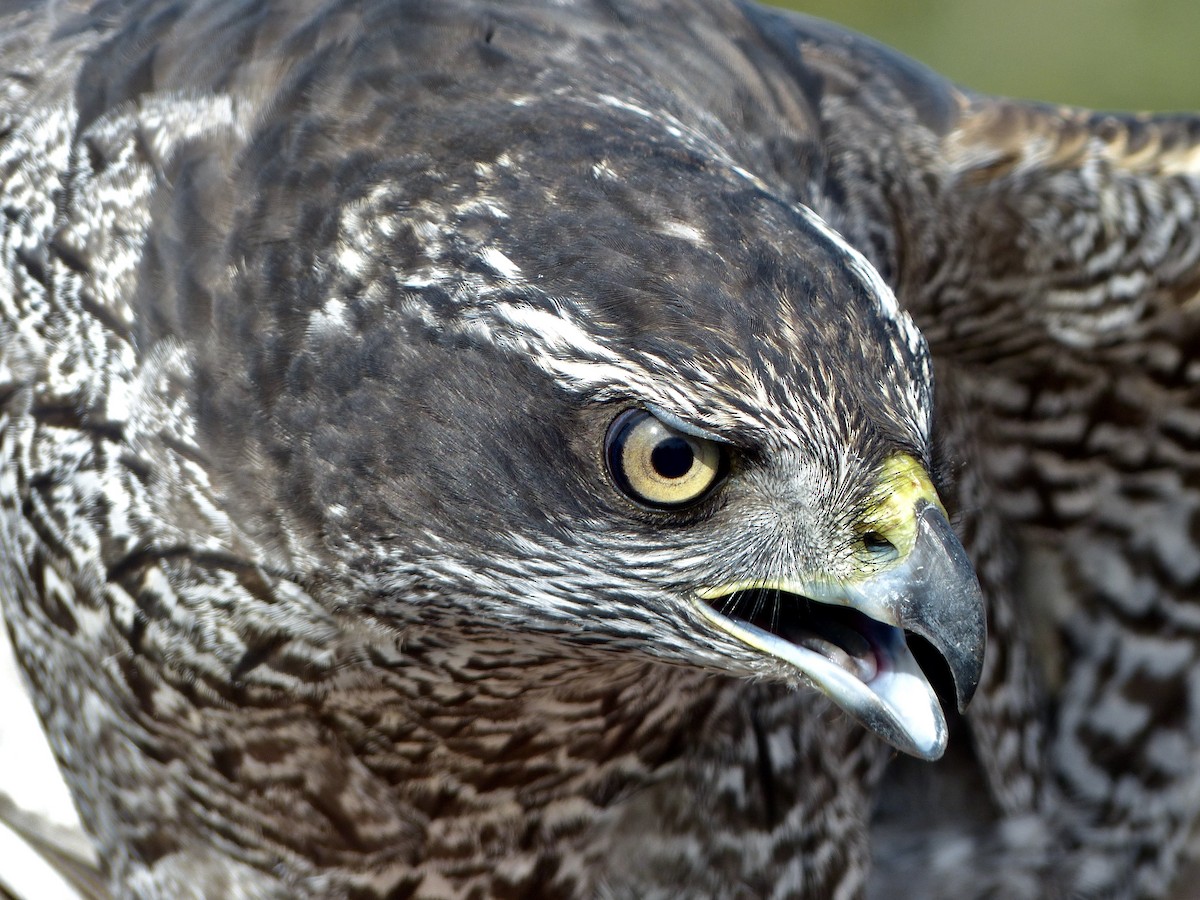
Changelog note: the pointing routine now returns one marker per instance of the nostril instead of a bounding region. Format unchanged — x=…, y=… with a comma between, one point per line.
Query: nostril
x=877, y=545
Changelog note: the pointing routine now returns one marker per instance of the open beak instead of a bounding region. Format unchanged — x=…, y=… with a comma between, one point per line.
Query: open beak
x=847, y=639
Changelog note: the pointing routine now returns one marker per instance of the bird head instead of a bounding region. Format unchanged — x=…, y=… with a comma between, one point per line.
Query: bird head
x=611, y=391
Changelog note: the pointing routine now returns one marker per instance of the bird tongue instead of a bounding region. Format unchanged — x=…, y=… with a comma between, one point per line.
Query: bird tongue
x=899, y=705
x=840, y=644
x=870, y=672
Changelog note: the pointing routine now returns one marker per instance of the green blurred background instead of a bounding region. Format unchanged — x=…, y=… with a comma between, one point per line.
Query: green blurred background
x=1106, y=54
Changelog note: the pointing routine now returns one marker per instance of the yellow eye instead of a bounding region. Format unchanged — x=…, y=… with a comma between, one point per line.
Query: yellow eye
x=656, y=465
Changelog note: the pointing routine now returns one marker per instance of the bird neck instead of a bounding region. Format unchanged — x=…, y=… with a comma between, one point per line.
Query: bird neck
x=445, y=757
x=479, y=724
x=511, y=766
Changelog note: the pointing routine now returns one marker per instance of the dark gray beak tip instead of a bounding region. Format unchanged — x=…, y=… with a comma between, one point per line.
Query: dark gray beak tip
x=950, y=613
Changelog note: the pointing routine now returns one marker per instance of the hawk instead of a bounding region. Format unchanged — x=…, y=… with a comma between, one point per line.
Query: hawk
x=560, y=449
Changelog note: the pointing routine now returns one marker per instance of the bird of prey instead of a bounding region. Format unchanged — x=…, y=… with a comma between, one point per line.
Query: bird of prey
x=560, y=449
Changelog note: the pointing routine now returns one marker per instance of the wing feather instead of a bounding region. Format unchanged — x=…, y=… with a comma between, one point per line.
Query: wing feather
x=1051, y=256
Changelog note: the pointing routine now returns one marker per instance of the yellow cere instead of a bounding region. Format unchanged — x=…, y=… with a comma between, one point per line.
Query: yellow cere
x=901, y=485
x=786, y=585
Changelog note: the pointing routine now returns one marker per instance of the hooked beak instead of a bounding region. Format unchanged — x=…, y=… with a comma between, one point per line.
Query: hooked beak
x=847, y=638
x=933, y=593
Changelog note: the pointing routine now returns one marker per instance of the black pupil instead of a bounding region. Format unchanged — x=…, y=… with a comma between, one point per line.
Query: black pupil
x=672, y=458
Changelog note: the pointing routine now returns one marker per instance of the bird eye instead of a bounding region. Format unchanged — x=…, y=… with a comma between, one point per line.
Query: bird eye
x=654, y=464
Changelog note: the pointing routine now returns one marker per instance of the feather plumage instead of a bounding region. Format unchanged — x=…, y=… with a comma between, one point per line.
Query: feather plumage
x=312, y=320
